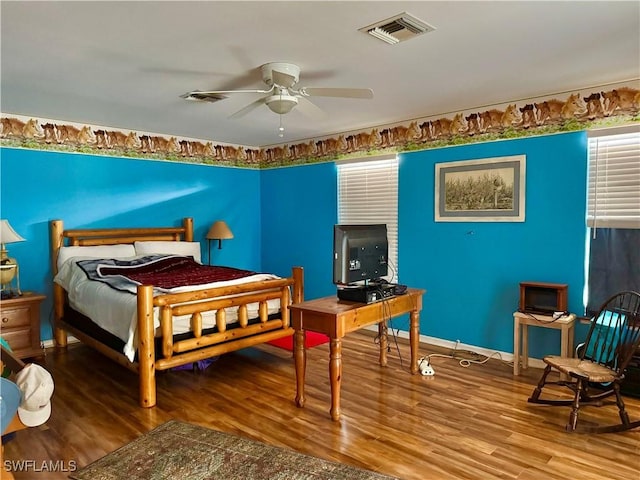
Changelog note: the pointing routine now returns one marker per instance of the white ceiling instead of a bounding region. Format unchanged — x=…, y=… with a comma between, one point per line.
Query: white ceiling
x=124, y=64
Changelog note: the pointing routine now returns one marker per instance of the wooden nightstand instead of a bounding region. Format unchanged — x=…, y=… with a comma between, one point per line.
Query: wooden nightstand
x=20, y=324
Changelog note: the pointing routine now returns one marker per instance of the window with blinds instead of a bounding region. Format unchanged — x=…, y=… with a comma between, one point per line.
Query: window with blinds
x=613, y=214
x=614, y=179
x=367, y=194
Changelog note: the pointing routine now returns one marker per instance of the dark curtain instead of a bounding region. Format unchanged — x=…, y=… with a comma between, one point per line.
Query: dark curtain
x=614, y=264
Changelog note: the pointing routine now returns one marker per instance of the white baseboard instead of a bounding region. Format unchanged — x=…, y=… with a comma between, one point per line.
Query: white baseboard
x=51, y=343
x=439, y=342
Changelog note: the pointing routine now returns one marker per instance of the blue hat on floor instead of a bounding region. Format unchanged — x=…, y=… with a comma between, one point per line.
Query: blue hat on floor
x=9, y=401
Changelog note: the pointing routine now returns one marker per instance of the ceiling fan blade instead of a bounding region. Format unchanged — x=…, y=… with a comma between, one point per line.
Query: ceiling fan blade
x=246, y=79
x=365, y=93
x=319, y=74
x=310, y=109
x=252, y=106
x=213, y=93
x=198, y=97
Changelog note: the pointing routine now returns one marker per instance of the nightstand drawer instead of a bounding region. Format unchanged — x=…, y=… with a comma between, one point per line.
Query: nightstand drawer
x=19, y=339
x=15, y=317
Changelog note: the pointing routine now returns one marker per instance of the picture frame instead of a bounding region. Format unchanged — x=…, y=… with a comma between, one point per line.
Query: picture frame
x=483, y=190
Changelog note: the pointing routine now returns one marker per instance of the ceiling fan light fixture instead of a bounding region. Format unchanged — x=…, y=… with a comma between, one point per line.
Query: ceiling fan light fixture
x=280, y=103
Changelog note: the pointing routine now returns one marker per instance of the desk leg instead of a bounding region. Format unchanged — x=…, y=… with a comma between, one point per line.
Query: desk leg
x=335, y=375
x=300, y=355
x=516, y=346
x=384, y=342
x=414, y=338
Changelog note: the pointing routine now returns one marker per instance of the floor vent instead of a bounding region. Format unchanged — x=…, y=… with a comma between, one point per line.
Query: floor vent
x=398, y=28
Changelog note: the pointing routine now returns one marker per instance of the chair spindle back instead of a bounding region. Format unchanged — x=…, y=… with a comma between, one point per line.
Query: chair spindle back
x=614, y=334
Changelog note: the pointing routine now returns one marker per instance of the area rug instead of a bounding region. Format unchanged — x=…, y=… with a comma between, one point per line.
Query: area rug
x=312, y=339
x=178, y=450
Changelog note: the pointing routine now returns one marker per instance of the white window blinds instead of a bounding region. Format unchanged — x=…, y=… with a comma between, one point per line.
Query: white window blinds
x=614, y=179
x=368, y=193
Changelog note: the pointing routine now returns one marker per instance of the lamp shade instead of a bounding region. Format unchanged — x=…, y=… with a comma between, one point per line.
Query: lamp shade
x=8, y=266
x=8, y=234
x=219, y=231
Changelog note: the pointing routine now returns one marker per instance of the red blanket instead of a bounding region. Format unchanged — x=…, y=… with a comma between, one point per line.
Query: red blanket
x=173, y=272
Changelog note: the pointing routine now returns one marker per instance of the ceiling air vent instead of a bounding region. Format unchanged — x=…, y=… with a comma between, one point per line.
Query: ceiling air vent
x=398, y=28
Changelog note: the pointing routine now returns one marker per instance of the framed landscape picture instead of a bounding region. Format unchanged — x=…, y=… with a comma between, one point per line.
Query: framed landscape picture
x=486, y=190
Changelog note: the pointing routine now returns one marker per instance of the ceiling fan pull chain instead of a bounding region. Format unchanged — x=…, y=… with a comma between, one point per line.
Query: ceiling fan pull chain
x=280, y=128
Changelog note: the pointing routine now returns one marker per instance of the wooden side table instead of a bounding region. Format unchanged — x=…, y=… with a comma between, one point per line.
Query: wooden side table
x=566, y=324
x=20, y=324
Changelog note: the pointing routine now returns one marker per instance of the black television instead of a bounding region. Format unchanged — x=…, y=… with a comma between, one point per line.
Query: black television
x=360, y=253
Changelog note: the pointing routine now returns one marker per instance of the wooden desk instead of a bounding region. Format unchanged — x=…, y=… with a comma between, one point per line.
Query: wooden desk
x=335, y=318
x=565, y=324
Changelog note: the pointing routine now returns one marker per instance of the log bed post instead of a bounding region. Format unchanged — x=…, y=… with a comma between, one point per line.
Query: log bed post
x=298, y=285
x=187, y=224
x=57, y=241
x=146, y=347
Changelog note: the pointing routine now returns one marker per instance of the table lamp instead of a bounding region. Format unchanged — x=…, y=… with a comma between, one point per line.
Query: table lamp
x=8, y=266
x=218, y=231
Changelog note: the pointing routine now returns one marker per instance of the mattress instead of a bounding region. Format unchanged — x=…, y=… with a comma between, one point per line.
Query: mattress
x=115, y=311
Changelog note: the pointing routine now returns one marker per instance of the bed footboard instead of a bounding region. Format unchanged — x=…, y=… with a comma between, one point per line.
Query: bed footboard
x=225, y=338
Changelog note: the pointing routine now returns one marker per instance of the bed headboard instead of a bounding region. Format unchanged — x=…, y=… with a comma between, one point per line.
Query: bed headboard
x=113, y=236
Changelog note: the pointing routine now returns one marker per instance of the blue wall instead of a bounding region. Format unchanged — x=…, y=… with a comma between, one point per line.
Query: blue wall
x=284, y=217
x=94, y=191
x=471, y=271
x=299, y=209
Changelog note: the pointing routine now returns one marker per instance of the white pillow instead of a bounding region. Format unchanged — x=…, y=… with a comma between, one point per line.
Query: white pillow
x=170, y=248
x=121, y=250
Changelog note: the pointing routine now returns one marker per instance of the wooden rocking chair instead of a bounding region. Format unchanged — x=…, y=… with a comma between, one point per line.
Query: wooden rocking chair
x=613, y=337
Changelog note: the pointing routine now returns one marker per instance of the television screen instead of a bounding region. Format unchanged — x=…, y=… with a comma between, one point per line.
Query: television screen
x=360, y=253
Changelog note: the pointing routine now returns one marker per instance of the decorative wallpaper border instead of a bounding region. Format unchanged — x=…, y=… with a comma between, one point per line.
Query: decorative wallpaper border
x=580, y=110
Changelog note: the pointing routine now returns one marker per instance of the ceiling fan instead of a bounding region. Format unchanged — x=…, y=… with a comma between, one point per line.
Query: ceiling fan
x=283, y=94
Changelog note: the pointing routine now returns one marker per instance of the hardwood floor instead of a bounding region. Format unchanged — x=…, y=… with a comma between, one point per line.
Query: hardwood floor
x=463, y=423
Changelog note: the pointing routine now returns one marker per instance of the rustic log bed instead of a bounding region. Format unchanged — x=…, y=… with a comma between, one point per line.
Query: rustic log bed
x=159, y=349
